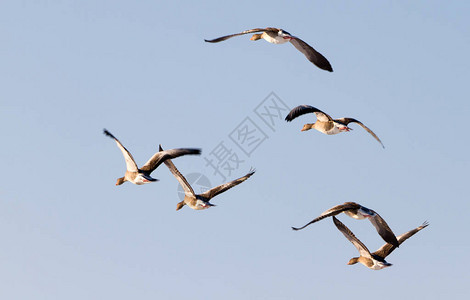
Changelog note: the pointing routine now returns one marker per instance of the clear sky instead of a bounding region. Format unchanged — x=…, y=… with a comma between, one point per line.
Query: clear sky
x=142, y=70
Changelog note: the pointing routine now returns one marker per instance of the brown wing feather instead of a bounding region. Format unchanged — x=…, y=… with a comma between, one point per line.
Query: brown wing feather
x=384, y=230
x=386, y=249
x=331, y=212
x=312, y=55
x=346, y=121
x=223, y=187
x=184, y=183
x=131, y=166
x=363, y=251
x=226, y=37
x=159, y=157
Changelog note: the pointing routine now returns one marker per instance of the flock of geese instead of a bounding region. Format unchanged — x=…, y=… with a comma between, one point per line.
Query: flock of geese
x=324, y=124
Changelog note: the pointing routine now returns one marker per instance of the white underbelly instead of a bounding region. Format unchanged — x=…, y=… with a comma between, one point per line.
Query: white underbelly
x=139, y=180
x=196, y=205
x=276, y=40
x=334, y=130
x=355, y=216
x=378, y=265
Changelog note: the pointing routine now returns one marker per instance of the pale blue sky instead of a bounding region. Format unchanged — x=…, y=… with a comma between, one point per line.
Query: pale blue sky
x=142, y=70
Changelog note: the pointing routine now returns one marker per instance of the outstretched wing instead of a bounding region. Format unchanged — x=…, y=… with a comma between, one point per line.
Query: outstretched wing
x=223, y=187
x=226, y=37
x=363, y=251
x=130, y=162
x=159, y=157
x=188, y=190
x=305, y=109
x=312, y=55
x=384, y=230
x=331, y=212
x=346, y=121
x=386, y=249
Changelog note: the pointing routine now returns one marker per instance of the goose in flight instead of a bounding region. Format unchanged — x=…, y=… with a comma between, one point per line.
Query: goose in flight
x=200, y=201
x=140, y=176
x=280, y=36
x=325, y=124
x=359, y=212
x=376, y=260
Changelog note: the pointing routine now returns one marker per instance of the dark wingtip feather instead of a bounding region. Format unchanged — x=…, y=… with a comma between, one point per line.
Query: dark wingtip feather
x=293, y=228
x=106, y=132
x=160, y=147
x=325, y=66
x=251, y=172
x=289, y=117
x=323, y=63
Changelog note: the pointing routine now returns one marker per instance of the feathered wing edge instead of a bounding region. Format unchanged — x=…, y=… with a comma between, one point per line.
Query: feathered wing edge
x=312, y=55
x=224, y=187
x=226, y=37
x=181, y=179
x=131, y=166
x=386, y=249
x=328, y=213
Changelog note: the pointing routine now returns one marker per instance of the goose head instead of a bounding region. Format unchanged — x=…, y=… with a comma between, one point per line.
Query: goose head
x=353, y=261
x=120, y=180
x=308, y=126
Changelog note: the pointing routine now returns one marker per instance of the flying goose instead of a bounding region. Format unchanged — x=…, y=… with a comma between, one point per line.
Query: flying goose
x=325, y=123
x=142, y=175
x=200, y=201
x=280, y=36
x=376, y=260
x=359, y=212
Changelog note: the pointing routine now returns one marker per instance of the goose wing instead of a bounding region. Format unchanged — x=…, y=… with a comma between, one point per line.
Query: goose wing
x=159, y=157
x=346, y=121
x=386, y=249
x=188, y=190
x=226, y=37
x=383, y=229
x=305, y=109
x=312, y=55
x=331, y=212
x=223, y=187
x=363, y=251
x=130, y=162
